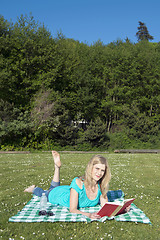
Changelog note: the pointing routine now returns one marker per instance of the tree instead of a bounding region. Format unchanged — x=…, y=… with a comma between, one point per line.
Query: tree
x=15, y=125
x=143, y=33
x=51, y=119
x=26, y=59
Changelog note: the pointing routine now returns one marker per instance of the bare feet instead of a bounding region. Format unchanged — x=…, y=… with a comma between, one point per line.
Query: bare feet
x=30, y=189
x=56, y=158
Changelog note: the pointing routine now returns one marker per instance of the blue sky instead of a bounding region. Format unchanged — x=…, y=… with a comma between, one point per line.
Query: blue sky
x=89, y=20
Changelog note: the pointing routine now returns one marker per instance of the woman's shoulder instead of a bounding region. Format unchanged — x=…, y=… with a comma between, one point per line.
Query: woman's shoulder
x=77, y=184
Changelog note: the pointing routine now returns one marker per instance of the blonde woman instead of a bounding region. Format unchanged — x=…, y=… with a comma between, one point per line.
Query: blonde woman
x=85, y=191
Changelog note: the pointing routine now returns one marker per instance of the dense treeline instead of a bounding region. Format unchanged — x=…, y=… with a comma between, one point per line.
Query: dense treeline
x=50, y=85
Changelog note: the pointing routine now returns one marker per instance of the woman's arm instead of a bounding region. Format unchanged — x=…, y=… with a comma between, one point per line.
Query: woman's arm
x=74, y=204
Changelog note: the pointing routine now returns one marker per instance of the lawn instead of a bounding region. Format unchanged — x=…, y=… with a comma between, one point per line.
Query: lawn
x=138, y=175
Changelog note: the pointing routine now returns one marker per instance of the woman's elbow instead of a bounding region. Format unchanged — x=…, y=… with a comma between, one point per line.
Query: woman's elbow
x=72, y=210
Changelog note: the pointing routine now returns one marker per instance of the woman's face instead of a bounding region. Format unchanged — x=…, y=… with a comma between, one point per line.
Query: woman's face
x=98, y=171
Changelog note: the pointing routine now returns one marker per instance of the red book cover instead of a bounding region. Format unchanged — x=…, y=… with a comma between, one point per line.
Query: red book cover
x=111, y=208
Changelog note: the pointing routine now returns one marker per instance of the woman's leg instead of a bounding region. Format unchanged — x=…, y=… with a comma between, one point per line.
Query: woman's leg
x=56, y=178
x=57, y=165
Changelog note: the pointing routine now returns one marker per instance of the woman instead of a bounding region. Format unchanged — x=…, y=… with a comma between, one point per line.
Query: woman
x=83, y=192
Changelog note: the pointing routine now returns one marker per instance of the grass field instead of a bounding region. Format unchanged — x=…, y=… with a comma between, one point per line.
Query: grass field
x=138, y=175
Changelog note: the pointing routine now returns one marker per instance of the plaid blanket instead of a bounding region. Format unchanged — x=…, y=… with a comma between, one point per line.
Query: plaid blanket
x=30, y=213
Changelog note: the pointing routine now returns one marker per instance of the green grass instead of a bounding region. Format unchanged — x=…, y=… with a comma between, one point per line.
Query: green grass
x=138, y=175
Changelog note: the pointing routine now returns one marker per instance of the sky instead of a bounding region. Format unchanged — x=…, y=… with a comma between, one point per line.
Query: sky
x=89, y=21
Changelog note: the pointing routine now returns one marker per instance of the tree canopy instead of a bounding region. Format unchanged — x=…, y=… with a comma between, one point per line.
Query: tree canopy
x=50, y=85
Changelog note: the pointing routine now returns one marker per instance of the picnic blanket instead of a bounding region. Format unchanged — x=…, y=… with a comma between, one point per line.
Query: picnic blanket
x=30, y=213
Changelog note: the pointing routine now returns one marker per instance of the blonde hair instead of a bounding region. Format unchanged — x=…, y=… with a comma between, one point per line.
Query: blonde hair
x=104, y=181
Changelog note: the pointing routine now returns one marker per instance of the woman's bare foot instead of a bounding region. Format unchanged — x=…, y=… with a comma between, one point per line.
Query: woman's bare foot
x=56, y=158
x=30, y=189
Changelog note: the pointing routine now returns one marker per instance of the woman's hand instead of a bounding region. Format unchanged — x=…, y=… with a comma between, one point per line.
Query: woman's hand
x=103, y=200
x=127, y=209
x=94, y=216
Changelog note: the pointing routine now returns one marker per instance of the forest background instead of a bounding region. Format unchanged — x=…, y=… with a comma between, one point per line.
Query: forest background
x=62, y=94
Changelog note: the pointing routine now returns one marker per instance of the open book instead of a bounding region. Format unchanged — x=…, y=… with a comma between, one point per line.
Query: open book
x=111, y=209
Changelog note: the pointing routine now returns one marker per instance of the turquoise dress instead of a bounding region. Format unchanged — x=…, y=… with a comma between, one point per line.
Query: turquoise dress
x=61, y=195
